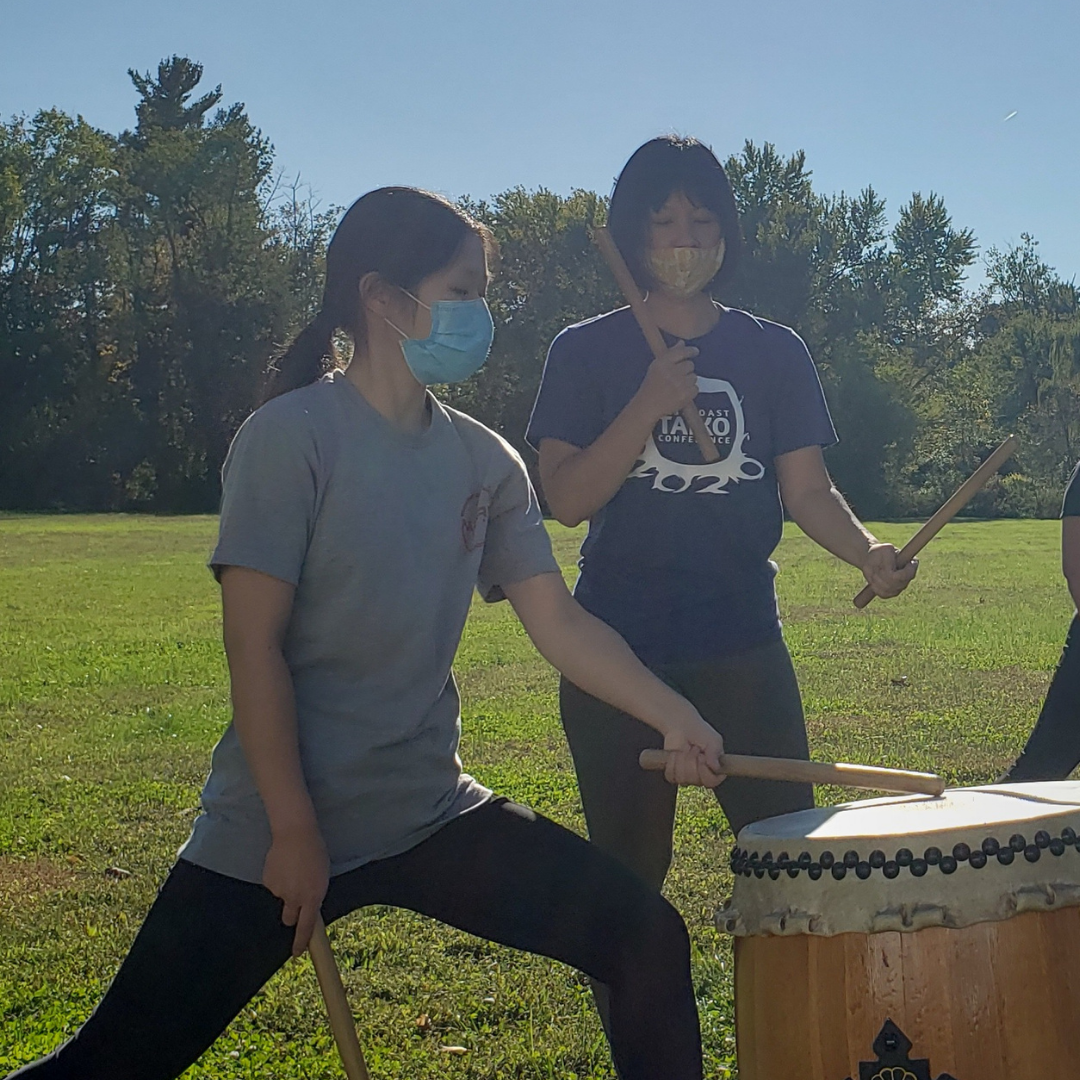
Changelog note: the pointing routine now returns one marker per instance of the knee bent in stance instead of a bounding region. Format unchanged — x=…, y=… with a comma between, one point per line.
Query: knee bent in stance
x=654, y=943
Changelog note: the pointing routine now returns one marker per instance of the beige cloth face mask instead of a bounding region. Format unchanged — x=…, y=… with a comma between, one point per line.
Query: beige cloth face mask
x=683, y=271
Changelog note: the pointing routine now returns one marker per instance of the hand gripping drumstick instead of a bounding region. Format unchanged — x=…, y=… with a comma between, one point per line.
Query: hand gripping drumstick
x=813, y=772
x=630, y=290
x=959, y=499
x=337, y=1005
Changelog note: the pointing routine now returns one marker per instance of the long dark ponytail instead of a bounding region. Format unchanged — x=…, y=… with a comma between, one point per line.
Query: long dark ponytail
x=403, y=234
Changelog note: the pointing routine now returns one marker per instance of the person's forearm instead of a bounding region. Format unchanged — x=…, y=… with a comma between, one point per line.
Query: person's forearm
x=824, y=515
x=264, y=714
x=586, y=481
x=595, y=658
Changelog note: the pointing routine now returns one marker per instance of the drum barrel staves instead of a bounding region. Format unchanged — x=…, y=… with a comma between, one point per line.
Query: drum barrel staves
x=946, y=944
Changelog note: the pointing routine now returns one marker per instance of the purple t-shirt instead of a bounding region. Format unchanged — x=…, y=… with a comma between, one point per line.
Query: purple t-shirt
x=679, y=560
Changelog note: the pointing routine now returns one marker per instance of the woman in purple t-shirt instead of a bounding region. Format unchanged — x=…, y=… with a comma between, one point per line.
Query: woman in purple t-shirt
x=677, y=557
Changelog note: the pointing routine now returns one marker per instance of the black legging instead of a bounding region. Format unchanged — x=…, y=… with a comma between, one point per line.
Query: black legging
x=501, y=872
x=752, y=699
x=1053, y=748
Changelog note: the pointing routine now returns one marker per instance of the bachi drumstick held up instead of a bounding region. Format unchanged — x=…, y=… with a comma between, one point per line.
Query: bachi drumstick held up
x=949, y=509
x=617, y=265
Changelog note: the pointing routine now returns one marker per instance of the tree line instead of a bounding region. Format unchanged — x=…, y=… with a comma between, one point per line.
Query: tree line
x=147, y=279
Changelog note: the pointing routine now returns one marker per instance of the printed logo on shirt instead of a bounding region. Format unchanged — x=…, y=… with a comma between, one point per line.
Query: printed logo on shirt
x=671, y=458
x=474, y=519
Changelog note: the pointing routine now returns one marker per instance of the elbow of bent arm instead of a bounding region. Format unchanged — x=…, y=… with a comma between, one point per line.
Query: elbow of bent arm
x=795, y=509
x=571, y=521
x=562, y=486
x=563, y=509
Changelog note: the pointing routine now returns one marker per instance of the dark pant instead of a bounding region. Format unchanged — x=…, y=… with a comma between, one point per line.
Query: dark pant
x=500, y=872
x=752, y=699
x=1053, y=748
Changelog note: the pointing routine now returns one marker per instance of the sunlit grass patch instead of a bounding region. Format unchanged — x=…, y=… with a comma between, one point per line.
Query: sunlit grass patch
x=113, y=690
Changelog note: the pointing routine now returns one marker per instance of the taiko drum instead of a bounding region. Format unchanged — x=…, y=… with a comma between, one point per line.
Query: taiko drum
x=911, y=938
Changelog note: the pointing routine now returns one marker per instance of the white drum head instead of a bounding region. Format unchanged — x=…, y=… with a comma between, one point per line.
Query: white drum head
x=973, y=855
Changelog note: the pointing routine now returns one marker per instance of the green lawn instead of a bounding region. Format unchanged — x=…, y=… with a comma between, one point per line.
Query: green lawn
x=112, y=691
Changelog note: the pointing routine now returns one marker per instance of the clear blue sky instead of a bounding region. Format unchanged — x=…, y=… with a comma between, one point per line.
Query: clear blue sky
x=477, y=96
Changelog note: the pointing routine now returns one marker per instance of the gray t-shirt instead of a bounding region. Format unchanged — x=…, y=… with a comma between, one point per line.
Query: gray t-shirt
x=385, y=535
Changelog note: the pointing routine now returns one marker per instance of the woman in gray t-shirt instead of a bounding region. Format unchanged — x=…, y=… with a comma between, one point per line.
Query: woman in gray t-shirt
x=358, y=516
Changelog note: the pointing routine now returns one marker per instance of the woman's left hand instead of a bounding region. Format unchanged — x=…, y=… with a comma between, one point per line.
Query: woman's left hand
x=882, y=574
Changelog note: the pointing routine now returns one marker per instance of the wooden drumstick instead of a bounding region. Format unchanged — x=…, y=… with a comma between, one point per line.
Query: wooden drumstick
x=959, y=499
x=617, y=265
x=814, y=772
x=337, y=1005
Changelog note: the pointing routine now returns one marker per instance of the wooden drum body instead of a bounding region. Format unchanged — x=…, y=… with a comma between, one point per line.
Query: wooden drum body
x=911, y=939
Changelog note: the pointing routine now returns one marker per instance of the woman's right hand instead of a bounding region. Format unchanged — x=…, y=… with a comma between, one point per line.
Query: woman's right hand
x=696, y=750
x=670, y=383
x=297, y=871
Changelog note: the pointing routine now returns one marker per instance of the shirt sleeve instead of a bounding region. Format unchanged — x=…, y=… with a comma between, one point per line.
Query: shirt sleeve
x=268, y=498
x=800, y=415
x=568, y=405
x=1070, y=507
x=516, y=544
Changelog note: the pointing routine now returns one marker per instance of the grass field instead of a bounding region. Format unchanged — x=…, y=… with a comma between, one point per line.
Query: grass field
x=112, y=692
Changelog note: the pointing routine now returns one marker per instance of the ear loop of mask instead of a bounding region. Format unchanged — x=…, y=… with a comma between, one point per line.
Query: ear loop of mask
x=394, y=325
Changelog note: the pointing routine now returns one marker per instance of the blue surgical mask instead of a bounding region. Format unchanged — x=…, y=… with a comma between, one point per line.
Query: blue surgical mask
x=458, y=345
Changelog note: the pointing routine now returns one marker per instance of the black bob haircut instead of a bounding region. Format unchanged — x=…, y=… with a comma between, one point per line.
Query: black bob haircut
x=655, y=172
